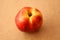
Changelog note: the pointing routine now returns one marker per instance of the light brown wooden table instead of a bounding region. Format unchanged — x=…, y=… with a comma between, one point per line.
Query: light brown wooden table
x=51, y=16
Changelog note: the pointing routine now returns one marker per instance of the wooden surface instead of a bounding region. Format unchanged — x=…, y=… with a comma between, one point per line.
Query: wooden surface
x=51, y=16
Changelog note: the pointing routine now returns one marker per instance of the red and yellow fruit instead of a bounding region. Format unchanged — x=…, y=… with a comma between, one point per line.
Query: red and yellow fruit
x=29, y=19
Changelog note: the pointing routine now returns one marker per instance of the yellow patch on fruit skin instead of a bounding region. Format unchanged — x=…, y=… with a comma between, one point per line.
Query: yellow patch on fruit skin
x=35, y=12
x=30, y=19
x=25, y=13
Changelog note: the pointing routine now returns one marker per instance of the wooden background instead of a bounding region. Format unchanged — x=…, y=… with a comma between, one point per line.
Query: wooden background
x=50, y=10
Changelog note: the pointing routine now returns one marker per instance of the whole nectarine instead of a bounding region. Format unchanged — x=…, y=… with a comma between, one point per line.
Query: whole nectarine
x=29, y=19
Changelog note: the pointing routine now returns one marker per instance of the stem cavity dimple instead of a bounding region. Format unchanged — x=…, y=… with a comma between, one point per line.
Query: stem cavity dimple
x=30, y=14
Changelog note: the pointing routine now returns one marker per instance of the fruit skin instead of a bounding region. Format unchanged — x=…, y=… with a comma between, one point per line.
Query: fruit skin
x=29, y=19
